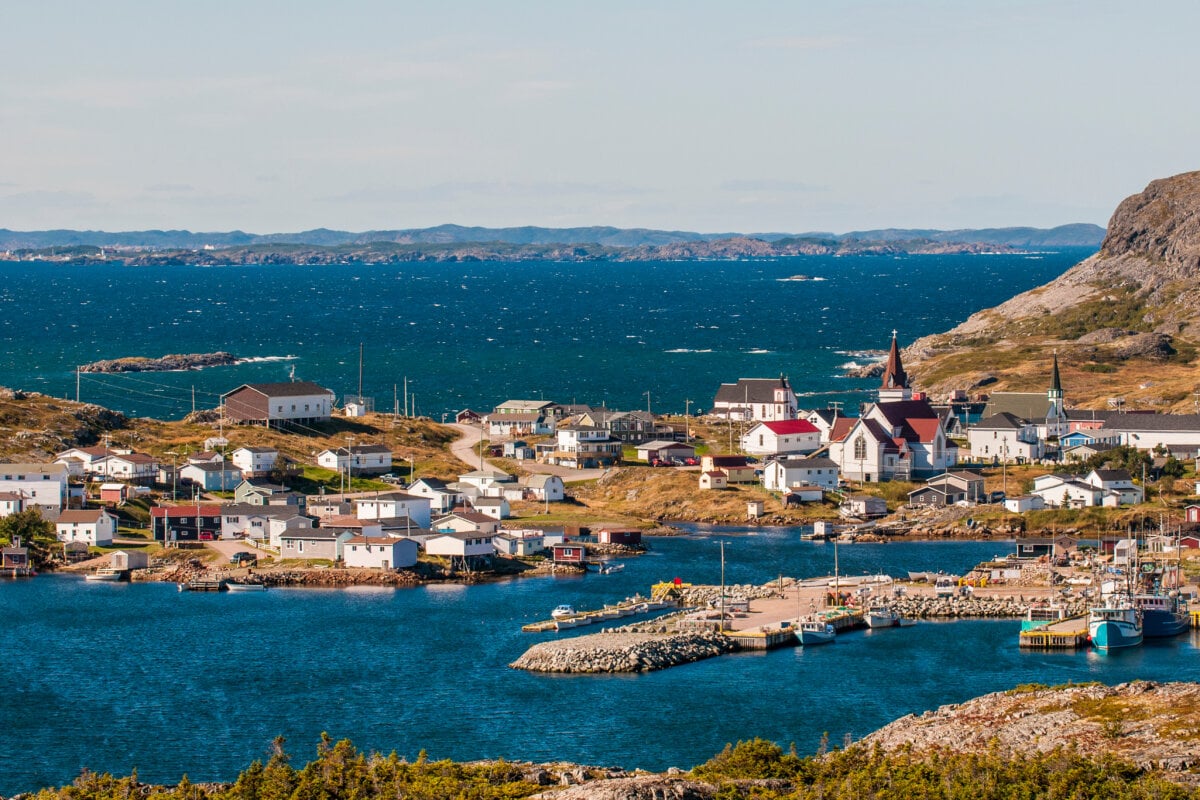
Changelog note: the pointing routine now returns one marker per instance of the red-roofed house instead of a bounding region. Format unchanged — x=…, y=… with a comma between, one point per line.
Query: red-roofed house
x=782, y=437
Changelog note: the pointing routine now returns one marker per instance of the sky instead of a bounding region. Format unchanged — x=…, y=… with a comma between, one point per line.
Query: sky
x=707, y=116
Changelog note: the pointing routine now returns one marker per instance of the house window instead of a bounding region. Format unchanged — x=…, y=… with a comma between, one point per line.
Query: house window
x=760, y=440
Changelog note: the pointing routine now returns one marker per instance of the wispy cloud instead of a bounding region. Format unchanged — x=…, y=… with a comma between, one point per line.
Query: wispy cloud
x=463, y=189
x=771, y=185
x=50, y=199
x=799, y=42
x=171, y=188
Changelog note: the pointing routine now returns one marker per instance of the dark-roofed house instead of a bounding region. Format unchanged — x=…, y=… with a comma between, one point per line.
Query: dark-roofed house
x=949, y=488
x=761, y=399
x=277, y=404
x=902, y=439
x=440, y=496
x=1151, y=431
x=1006, y=438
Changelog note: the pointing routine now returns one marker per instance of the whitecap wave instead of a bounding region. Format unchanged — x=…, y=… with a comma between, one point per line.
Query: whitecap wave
x=686, y=350
x=758, y=351
x=265, y=359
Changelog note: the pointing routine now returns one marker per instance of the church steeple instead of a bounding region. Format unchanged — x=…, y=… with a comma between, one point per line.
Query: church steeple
x=895, y=379
x=1055, y=395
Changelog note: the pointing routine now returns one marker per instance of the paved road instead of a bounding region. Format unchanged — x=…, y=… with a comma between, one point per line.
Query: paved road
x=466, y=450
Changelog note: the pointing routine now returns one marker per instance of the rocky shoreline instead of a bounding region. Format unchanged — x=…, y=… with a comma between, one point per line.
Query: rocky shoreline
x=168, y=363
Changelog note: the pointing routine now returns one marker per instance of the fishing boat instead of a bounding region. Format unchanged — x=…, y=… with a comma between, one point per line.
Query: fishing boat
x=563, y=611
x=608, y=569
x=1115, y=624
x=812, y=632
x=237, y=586
x=1162, y=614
x=105, y=575
x=880, y=616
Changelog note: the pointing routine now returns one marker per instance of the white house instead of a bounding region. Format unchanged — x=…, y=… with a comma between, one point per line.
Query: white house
x=485, y=481
x=519, y=542
x=494, y=507
x=42, y=485
x=212, y=477
x=93, y=526
x=278, y=404
x=1116, y=482
x=901, y=439
x=584, y=447
x=11, y=503
x=317, y=543
x=394, y=505
x=544, y=488
x=1151, y=431
x=507, y=426
x=783, y=474
x=1022, y=503
x=441, y=498
x=466, y=522
x=466, y=550
x=763, y=399
x=362, y=459
x=255, y=461
x=131, y=467
x=84, y=460
x=1067, y=491
x=782, y=437
x=662, y=450
x=1006, y=438
x=380, y=552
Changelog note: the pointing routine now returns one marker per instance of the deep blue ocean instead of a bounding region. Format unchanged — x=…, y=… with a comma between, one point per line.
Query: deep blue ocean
x=116, y=676
x=472, y=335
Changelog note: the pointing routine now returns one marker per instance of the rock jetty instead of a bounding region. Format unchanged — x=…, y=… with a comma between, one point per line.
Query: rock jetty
x=959, y=607
x=622, y=652
x=167, y=363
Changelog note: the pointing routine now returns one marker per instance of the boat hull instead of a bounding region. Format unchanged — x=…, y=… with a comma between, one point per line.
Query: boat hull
x=1159, y=624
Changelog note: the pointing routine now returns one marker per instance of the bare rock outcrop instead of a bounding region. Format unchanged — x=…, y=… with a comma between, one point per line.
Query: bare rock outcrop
x=1155, y=726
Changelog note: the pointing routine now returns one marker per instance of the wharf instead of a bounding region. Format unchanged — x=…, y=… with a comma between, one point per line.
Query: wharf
x=1067, y=634
x=607, y=614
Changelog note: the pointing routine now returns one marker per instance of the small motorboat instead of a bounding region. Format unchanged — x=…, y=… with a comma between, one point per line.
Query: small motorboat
x=608, y=569
x=238, y=586
x=881, y=617
x=815, y=631
x=106, y=575
x=564, y=610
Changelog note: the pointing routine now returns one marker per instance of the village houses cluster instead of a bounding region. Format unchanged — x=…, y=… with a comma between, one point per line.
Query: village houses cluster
x=803, y=455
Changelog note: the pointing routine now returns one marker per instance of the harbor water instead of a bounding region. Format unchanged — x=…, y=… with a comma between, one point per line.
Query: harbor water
x=116, y=676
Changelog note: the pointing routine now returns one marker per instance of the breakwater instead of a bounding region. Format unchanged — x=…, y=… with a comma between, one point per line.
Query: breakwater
x=622, y=652
x=925, y=607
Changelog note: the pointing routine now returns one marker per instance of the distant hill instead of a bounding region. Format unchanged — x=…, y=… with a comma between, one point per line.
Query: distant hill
x=1079, y=235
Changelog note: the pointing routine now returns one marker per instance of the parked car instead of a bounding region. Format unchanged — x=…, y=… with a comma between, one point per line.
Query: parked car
x=998, y=497
x=389, y=477
x=243, y=557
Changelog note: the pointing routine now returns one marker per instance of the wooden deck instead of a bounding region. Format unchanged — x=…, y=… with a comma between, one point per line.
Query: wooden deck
x=1067, y=634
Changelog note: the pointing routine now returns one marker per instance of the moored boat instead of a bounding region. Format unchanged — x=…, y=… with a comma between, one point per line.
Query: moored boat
x=105, y=575
x=1115, y=625
x=815, y=631
x=563, y=610
x=236, y=586
x=1162, y=614
x=1037, y=616
x=881, y=617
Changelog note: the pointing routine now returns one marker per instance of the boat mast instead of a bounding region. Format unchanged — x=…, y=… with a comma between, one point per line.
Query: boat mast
x=722, y=585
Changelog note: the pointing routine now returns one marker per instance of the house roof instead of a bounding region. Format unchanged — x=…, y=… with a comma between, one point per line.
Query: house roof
x=660, y=444
x=801, y=462
x=515, y=417
x=487, y=473
x=436, y=484
x=751, y=390
x=382, y=541
x=827, y=415
x=1153, y=422
x=1024, y=405
x=473, y=517
x=256, y=450
x=841, y=428
x=787, y=426
x=488, y=501
x=391, y=496
x=171, y=512
x=715, y=474
x=309, y=534
x=77, y=515
x=1003, y=421
x=284, y=389
x=27, y=467
x=1112, y=475
x=539, y=479
x=524, y=405
x=212, y=466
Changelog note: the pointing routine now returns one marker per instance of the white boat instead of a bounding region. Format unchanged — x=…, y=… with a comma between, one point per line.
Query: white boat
x=106, y=575
x=905, y=622
x=815, y=631
x=235, y=586
x=563, y=611
x=563, y=623
x=608, y=569
x=881, y=617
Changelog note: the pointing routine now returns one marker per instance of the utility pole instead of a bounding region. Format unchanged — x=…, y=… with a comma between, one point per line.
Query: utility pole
x=395, y=401
x=687, y=419
x=647, y=401
x=193, y=398
x=77, y=384
x=406, y=396
x=722, y=585
x=360, y=365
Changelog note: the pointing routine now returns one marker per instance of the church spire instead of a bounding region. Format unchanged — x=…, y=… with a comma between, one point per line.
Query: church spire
x=894, y=376
x=1055, y=382
x=895, y=379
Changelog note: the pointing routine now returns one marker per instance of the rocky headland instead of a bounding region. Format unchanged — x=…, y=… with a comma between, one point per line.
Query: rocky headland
x=1127, y=314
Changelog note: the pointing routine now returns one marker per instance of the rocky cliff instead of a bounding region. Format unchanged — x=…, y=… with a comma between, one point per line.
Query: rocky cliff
x=1125, y=321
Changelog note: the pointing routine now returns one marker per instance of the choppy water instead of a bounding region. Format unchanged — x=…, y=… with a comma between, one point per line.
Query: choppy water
x=119, y=676
x=473, y=335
